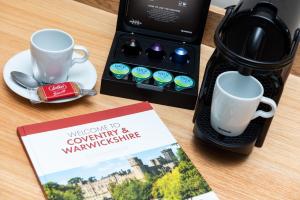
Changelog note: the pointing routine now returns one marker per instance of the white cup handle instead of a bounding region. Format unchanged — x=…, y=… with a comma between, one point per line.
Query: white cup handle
x=85, y=53
x=264, y=114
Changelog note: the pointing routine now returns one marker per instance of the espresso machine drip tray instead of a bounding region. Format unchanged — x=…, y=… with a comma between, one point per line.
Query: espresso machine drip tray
x=242, y=144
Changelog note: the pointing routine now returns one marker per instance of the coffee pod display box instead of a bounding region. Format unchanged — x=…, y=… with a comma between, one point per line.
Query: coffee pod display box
x=160, y=35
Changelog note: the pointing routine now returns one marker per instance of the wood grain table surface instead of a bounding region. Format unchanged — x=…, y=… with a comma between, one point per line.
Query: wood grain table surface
x=272, y=172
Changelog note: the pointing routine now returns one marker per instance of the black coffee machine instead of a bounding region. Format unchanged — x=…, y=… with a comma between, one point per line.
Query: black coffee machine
x=258, y=38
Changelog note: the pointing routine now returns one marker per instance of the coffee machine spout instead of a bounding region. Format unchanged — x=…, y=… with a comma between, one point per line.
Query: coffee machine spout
x=245, y=71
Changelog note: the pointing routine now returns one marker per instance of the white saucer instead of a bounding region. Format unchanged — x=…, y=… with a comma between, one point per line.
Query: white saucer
x=83, y=73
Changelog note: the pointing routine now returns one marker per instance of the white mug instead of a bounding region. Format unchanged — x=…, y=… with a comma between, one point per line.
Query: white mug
x=235, y=102
x=52, y=55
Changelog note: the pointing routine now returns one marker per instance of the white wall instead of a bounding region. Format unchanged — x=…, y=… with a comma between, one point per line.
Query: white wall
x=224, y=3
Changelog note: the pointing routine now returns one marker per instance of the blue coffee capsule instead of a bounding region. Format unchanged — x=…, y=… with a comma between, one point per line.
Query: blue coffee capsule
x=180, y=56
x=162, y=78
x=183, y=82
x=141, y=74
x=120, y=70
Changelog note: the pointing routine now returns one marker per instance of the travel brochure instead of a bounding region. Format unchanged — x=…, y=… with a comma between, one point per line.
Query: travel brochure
x=123, y=153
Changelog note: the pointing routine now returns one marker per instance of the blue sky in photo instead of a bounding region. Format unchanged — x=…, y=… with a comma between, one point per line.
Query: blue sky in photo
x=103, y=169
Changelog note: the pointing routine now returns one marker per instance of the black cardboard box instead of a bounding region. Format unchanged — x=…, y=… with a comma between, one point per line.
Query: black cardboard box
x=171, y=23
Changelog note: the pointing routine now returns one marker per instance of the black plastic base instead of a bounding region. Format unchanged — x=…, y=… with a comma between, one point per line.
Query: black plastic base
x=148, y=93
x=128, y=88
x=242, y=144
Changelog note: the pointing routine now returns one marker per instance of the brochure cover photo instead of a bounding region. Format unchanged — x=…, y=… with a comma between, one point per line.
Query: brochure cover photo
x=120, y=154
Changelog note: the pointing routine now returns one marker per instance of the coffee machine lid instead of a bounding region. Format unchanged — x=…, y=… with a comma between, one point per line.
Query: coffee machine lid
x=256, y=37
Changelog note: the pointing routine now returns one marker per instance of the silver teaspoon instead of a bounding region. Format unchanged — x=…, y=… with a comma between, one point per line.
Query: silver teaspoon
x=29, y=82
x=24, y=80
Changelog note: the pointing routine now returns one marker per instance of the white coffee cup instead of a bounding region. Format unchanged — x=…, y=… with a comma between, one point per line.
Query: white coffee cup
x=52, y=55
x=235, y=102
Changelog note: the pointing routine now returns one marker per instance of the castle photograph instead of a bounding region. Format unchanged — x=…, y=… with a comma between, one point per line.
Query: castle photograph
x=153, y=174
x=99, y=189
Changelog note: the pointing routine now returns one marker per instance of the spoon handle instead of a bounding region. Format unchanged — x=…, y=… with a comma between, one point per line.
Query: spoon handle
x=85, y=92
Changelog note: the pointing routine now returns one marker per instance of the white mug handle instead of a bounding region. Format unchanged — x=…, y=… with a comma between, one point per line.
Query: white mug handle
x=85, y=53
x=264, y=114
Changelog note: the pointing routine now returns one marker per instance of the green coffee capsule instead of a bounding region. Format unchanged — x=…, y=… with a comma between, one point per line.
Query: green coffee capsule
x=162, y=78
x=183, y=82
x=141, y=74
x=120, y=70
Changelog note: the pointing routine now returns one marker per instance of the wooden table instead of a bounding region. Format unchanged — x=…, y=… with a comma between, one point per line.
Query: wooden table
x=272, y=172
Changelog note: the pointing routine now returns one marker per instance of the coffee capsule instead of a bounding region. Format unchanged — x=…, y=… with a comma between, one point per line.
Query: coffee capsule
x=180, y=56
x=119, y=70
x=141, y=74
x=162, y=78
x=132, y=48
x=183, y=82
x=156, y=51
